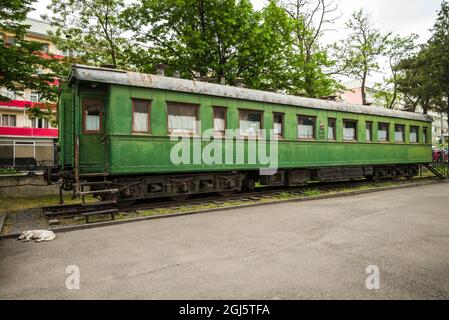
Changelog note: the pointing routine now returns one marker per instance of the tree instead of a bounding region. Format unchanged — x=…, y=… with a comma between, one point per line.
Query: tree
x=309, y=64
x=438, y=50
x=89, y=31
x=396, y=49
x=359, y=54
x=20, y=62
x=217, y=38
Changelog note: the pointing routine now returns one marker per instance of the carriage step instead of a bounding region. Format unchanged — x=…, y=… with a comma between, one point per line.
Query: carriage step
x=99, y=203
x=111, y=212
x=84, y=193
x=92, y=183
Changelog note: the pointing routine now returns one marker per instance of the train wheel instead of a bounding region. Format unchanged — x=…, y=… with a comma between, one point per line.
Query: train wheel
x=248, y=185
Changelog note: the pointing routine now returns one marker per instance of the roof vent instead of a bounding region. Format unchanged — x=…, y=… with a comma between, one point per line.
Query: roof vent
x=176, y=74
x=222, y=80
x=160, y=69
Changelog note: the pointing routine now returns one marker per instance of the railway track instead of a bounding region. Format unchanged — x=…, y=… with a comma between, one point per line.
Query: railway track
x=262, y=193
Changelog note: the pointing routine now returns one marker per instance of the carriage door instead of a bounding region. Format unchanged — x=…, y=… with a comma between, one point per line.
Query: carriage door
x=92, y=140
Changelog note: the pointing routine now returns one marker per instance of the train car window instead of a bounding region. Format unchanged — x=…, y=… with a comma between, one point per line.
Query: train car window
x=331, y=129
x=369, y=131
x=399, y=133
x=349, y=130
x=414, y=134
x=141, y=115
x=219, y=121
x=424, y=135
x=278, y=125
x=306, y=127
x=182, y=119
x=250, y=123
x=92, y=115
x=383, y=132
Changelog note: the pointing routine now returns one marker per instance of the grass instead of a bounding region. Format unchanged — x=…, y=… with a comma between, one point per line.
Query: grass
x=21, y=203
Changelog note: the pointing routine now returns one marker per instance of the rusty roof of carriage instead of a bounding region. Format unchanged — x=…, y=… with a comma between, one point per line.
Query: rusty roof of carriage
x=129, y=78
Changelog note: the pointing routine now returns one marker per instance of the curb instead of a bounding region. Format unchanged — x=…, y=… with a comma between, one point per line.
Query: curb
x=179, y=214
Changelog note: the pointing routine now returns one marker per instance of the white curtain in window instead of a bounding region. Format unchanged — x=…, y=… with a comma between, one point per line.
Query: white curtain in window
x=92, y=122
x=305, y=131
x=140, y=121
x=398, y=137
x=249, y=128
x=383, y=135
x=219, y=124
x=413, y=137
x=349, y=133
x=330, y=133
x=277, y=128
x=182, y=120
x=368, y=134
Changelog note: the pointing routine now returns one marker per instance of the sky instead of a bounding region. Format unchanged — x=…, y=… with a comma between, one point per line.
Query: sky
x=402, y=17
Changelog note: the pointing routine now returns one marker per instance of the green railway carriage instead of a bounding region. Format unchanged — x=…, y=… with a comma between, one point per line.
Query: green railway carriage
x=116, y=128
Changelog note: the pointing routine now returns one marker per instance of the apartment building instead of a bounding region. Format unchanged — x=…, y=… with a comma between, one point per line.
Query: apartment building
x=25, y=141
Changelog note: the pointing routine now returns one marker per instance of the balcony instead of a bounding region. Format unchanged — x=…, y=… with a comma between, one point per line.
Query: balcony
x=28, y=132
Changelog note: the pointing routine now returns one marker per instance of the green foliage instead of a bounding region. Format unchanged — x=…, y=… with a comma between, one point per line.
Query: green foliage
x=439, y=54
x=396, y=49
x=228, y=39
x=424, y=81
x=88, y=31
x=7, y=171
x=359, y=55
x=20, y=62
x=309, y=66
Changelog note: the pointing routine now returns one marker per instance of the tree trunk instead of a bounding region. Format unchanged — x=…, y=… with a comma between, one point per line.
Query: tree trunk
x=363, y=89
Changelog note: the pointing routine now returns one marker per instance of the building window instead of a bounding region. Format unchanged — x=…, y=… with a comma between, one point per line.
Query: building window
x=331, y=129
x=414, y=134
x=399, y=133
x=219, y=121
x=349, y=130
x=10, y=40
x=141, y=116
x=250, y=123
x=383, y=132
x=39, y=123
x=369, y=131
x=9, y=120
x=34, y=97
x=424, y=135
x=45, y=48
x=92, y=115
x=182, y=119
x=306, y=127
x=278, y=125
x=21, y=154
